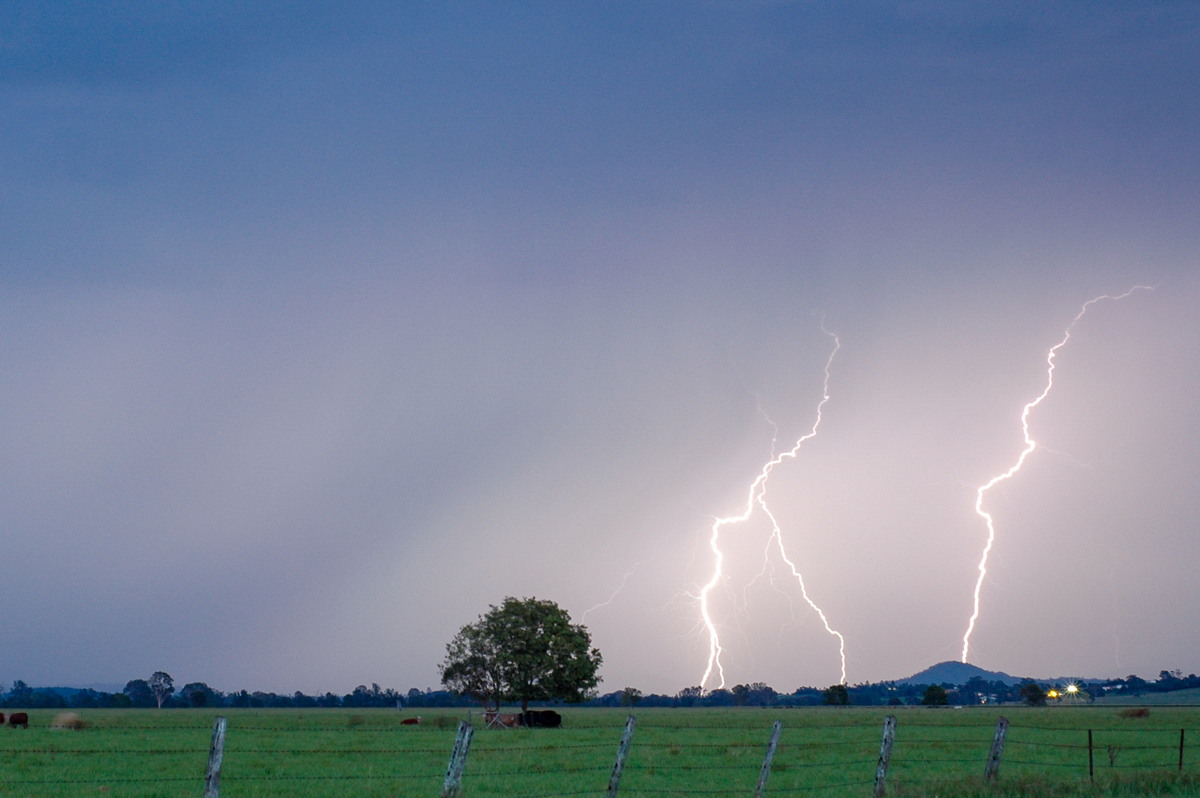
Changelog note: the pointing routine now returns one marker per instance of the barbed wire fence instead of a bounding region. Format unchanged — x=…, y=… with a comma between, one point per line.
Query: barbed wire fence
x=845, y=758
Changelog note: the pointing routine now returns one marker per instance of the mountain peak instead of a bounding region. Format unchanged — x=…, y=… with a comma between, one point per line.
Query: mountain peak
x=957, y=673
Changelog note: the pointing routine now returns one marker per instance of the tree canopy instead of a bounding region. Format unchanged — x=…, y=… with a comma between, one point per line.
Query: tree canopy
x=162, y=685
x=837, y=695
x=1033, y=694
x=935, y=696
x=523, y=650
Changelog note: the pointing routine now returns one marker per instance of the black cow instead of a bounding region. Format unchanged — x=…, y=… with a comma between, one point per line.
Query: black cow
x=541, y=719
x=18, y=719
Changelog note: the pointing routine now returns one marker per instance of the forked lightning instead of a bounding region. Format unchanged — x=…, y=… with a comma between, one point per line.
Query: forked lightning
x=756, y=497
x=1030, y=445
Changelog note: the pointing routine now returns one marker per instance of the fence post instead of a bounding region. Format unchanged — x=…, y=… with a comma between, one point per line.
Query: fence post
x=1091, y=760
x=885, y=755
x=765, y=773
x=458, y=760
x=1181, y=731
x=216, y=751
x=622, y=750
x=993, y=763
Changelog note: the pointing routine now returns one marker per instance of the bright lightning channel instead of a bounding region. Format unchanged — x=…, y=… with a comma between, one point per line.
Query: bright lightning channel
x=756, y=498
x=1030, y=445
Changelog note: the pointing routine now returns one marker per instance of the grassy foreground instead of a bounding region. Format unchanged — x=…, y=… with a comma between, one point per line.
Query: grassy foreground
x=675, y=752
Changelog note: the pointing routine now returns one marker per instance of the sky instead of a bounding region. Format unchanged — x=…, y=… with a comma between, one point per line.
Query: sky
x=326, y=326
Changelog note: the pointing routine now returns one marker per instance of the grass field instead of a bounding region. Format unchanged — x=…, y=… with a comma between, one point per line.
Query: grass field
x=675, y=752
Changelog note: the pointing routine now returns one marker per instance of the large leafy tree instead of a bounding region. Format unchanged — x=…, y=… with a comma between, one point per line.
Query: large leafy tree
x=139, y=692
x=523, y=650
x=1033, y=694
x=837, y=695
x=199, y=694
x=935, y=696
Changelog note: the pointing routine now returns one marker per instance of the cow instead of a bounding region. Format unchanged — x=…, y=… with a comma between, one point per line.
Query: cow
x=1, y=718
x=67, y=720
x=411, y=721
x=498, y=720
x=18, y=719
x=541, y=719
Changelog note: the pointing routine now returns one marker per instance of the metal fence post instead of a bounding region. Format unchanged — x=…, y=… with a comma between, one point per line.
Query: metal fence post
x=458, y=760
x=765, y=773
x=993, y=763
x=885, y=755
x=622, y=751
x=216, y=751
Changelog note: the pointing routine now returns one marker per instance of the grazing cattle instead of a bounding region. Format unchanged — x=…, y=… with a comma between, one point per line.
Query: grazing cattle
x=18, y=719
x=411, y=721
x=541, y=719
x=498, y=720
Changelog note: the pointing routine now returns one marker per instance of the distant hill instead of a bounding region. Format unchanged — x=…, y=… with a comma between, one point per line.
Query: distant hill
x=1188, y=697
x=957, y=673
x=99, y=687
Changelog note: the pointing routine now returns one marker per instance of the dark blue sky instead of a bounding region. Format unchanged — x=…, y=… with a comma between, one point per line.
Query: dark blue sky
x=326, y=325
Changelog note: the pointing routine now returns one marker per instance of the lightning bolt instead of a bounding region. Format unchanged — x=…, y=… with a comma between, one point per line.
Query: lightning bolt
x=1030, y=445
x=614, y=595
x=756, y=498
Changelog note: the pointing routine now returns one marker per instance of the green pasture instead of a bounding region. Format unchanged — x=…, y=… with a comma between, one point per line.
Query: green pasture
x=675, y=752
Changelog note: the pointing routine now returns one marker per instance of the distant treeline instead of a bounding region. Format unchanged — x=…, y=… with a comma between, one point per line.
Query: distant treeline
x=159, y=691
x=975, y=691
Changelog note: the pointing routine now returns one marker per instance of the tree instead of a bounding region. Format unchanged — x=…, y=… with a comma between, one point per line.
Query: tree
x=1033, y=694
x=718, y=698
x=740, y=692
x=837, y=695
x=630, y=696
x=139, y=692
x=162, y=685
x=199, y=694
x=760, y=694
x=21, y=694
x=935, y=696
x=86, y=698
x=474, y=664
x=524, y=650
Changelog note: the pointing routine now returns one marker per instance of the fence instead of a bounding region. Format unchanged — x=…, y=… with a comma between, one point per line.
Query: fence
x=743, y=753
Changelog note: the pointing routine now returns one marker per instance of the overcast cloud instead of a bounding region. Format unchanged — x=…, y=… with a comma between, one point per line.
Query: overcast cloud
x=325, y=326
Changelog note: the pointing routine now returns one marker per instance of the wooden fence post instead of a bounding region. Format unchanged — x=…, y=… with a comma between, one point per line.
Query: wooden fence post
x=458, y=760
x=885, y=755
x=1091, y=760
x=1181, y=731
x=765, y=773
x=216, y=751
x=993, y=763
x=622, y=751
